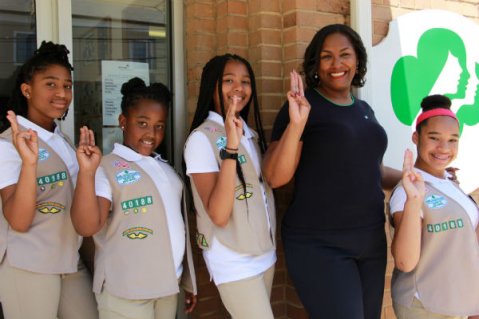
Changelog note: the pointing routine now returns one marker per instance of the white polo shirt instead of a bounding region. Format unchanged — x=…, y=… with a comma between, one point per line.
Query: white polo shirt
x=398, y=198
x=11, y=162
x=225, y=265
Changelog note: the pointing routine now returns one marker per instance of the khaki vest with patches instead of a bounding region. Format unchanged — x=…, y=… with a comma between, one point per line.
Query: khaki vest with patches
x=51, y=244
x=134, y=259
x=247, y=231
x=447, y=275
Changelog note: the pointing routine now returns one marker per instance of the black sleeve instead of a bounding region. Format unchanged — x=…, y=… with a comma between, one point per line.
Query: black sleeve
x=280, y=123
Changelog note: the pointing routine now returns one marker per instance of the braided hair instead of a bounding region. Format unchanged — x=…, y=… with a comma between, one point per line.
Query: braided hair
x=211, y=79
x=46, y=55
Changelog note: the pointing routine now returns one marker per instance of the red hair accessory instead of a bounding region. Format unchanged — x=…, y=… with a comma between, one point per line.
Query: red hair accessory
x=435, y=112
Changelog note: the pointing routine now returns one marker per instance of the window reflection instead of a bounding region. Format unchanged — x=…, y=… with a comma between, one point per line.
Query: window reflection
x=18, y=41
x=105, y=30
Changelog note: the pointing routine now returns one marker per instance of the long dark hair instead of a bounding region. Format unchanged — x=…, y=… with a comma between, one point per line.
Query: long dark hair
x=211, y=79
x=311, y=55
x=46, y=55
x=212, y=76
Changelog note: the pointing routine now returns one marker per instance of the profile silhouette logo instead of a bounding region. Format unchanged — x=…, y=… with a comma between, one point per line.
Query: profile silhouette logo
x=439, y=52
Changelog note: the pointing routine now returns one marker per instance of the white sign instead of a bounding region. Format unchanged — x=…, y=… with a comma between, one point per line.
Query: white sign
x=428, y=52
x=113, y=75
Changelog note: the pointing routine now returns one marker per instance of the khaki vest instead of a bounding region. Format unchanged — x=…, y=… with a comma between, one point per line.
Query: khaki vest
x=134, y=258
x=247, y=230
x=51, y=244
x=447, y=275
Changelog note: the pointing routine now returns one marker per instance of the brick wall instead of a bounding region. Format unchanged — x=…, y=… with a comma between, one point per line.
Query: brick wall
x=273, y=35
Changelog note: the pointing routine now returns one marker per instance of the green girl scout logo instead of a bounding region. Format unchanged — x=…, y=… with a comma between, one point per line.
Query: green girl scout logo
x=414, y=77
x=127, y=176
x=435, y=201
x=43, y=154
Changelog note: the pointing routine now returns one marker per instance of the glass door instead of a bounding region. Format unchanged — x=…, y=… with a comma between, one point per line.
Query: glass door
x=18, y=40
x=114, y=41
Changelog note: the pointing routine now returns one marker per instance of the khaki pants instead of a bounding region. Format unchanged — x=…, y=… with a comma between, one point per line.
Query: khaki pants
x=249, y=298
x=417, y=311
x=26, y=294
x=112, y=307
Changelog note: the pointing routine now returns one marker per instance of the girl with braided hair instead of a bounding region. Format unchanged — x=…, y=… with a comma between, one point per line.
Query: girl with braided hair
x=235, y=208
x=41, y=274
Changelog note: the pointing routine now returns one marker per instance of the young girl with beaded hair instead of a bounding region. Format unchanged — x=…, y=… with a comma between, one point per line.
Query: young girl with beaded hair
x=41, y=274
x=235, y=207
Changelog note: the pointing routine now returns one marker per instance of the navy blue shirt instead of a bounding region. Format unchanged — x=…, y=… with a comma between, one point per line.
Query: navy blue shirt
x=338, y=179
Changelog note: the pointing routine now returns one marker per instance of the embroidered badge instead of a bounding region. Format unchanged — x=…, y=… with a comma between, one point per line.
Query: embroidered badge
x=435, y=201
x=50, y=208
x=52, y=178
x=136, y=204
x=243, y=195
x=201, y=241
x=137, y=232
x=127, y=176
x=120, y=164
x=211, y=129
x=242, y=159
x=221, y=142
x=43, y=154
x=445, y=226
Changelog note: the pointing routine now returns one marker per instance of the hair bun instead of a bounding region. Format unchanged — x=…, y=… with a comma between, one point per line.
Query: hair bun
x=49, y=48
x=161, y=89
x=132, y=85
x=436, y=101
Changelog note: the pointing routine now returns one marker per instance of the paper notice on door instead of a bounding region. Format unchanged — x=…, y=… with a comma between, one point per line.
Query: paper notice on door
x=113, y=75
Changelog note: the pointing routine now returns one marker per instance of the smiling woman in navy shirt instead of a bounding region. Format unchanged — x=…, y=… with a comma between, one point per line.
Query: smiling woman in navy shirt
x=333, y=146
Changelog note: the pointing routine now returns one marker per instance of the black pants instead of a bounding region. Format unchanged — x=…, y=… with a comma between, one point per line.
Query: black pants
x=338, y=274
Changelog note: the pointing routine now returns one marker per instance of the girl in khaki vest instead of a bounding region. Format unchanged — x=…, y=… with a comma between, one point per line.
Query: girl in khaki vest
x=41, y=275
x=131, y=204
x=235, y=208
x=435, y=246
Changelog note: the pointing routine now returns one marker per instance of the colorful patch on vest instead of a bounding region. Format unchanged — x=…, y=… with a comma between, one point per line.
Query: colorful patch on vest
x=201, y=240
x=53, y=178
x=120, y=164
x=242, y=159
x=221, y=142
x=136, y=205
x=127, y=177
x=137, y=232
x=211, y=129
x=435, y=201
x=445, y=226
x=43, y=154
x=242, y=194
x=50, y=208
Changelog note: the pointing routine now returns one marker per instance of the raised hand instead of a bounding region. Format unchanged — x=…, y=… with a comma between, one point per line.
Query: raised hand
x=412, y=181
x=299, y=106
x=26, y=142
x=88, y=154
x=233, y=125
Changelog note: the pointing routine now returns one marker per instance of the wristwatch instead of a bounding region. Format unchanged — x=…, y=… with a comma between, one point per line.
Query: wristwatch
x=224, y=154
